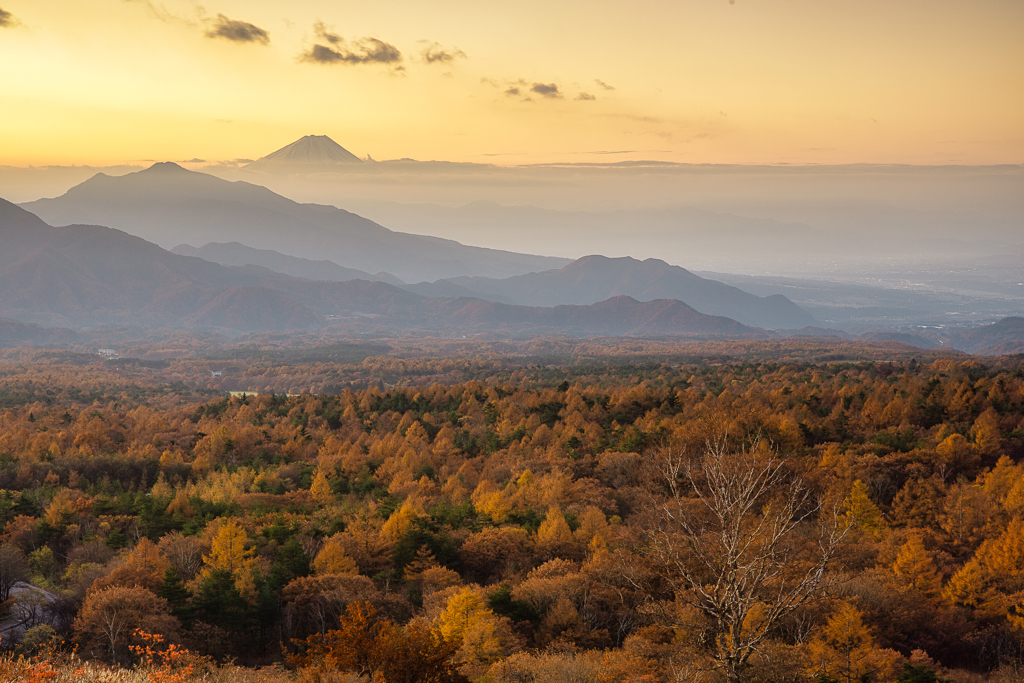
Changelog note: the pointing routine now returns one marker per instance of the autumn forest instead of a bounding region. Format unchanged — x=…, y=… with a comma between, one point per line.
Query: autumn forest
x=741, y=512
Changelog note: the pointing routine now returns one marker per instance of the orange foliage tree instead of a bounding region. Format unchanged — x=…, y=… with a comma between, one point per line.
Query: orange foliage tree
x=373, y=647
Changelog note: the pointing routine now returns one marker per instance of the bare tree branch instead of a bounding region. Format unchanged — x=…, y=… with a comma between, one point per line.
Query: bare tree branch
x=728, y=540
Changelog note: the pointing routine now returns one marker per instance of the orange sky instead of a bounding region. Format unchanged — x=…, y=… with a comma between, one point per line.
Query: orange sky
x=710, y=81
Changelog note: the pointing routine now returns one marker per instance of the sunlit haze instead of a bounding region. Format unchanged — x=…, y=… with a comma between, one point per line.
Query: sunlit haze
x=709, y=81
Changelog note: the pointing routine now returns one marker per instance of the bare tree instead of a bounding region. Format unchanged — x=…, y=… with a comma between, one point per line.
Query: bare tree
x=741, y=543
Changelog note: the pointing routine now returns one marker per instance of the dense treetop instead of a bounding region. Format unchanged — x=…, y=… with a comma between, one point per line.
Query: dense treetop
x=515, y=510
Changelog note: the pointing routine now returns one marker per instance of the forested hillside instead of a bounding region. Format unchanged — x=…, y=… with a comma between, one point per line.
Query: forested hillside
x=751, y=520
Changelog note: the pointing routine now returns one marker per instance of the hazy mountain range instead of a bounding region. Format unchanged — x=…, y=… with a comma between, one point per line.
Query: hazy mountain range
x=84, y=275
x=596, y=278
x=269, y=263
x=588, y=280
x=169, y=205
x=236, y=254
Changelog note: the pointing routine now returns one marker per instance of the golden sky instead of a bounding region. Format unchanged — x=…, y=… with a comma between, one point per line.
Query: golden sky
x=706, y=81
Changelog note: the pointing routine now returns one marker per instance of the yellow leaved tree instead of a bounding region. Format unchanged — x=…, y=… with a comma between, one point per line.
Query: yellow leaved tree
x=470, y=623
x=845, y=650
x=228, y=550
x=489, y=500
x=554, y=528
x=321, y=488
x=861, y=512
x=990, y=581
x=914, y=566
x=332, y=559
x=399, y=523
x=967, y=587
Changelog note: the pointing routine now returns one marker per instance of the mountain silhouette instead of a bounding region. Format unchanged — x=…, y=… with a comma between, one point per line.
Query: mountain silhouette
x=592, y=279
x=170, y=205
x=86, y=275
x=617, y=316
x=311, y=149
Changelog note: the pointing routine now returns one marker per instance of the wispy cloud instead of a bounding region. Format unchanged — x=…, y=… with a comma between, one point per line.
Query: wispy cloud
x=7, y=20
x=603, y=84
x=549, y=90
x=165, y=15
x=238, y=31
x=435, y=53
x=321, y=31
x=585, y=96
x=339, y=51
x=525, y=91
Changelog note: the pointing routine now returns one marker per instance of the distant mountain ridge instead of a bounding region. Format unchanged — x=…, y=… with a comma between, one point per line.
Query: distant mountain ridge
x=595, y=278
x=85, y=275
x=585, y=281
x=169, y=205
x=617, y=316
x=235, y=254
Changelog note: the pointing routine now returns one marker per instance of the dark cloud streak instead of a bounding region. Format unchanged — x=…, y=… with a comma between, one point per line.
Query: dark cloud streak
x=363, y=51
x=7, y=19
x=549, y=90
x=238, y=31
x=603, y=84
x=585, y=96
x=436, y=54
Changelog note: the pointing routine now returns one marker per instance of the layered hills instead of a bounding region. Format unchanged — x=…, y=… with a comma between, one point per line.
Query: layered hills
x=585, y=281
x=620, y=315
x=235, y=254
x=596, y=278
x=84, y=275
x=168, y=205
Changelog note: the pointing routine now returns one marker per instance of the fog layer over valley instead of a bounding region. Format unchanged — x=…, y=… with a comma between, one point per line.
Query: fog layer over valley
x=913, y=254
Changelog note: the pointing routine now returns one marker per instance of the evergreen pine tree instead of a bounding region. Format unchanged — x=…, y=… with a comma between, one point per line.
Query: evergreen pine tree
x=177, y=595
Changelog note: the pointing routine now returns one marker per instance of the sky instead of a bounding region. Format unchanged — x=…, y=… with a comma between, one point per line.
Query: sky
x=103, y=82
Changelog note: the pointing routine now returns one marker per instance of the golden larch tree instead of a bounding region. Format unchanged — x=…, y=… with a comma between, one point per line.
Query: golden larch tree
x=554, y=528
x=914, y=566
x=845, y=649
x=332, y=559
x=321, y=488
x=468, y=622
x=228, y=550
x=861, y=511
